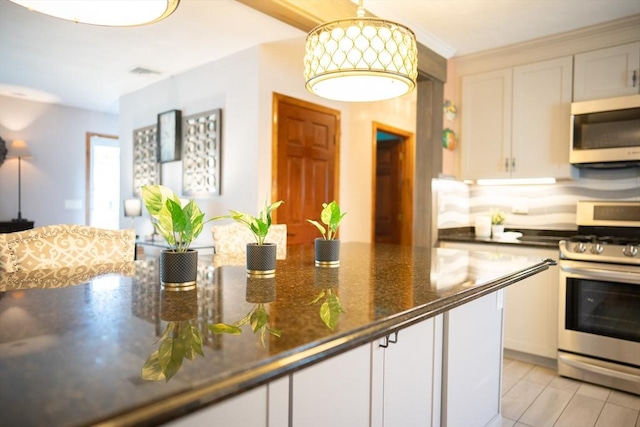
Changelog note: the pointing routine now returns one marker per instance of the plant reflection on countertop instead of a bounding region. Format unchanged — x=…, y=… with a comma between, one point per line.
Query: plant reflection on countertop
x=330, y=309
x=182, y=337
x=259, y=292
x=258, y=317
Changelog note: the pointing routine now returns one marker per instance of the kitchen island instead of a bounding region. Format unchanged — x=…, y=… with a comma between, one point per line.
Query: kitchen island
x=73, y=347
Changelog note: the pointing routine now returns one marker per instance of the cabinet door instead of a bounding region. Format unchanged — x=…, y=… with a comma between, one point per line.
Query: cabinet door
x=334, y=392
x=486, y=125
x=607, y=72
x=248, y=409
x=531, y=305
x=541, y=115
x=405, y=391
x=472, y=371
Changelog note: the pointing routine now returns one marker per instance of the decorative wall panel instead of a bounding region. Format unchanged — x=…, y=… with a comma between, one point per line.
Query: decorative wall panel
x=201, y=158
x=146, y=169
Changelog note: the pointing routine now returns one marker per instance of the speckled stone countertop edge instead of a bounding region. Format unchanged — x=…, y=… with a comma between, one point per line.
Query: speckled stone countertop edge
x=287, y=363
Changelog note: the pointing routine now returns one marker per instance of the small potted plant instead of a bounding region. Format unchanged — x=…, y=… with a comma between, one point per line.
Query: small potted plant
x=497, y=222
x=261, y=255
x=179, y=226
x=327, y=247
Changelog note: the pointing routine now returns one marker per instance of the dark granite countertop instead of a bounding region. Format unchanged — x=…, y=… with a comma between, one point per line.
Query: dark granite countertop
x=534, y=238
x=72, y=346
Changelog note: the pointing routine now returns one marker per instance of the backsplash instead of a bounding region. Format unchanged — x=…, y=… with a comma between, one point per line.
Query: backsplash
x=549, y=207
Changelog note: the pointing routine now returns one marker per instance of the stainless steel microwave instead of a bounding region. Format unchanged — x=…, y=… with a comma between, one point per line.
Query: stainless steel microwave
x=606, y=132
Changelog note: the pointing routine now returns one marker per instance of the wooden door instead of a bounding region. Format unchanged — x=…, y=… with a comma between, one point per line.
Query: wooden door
x=305, y=167
x=392, y=178
x=388, y=191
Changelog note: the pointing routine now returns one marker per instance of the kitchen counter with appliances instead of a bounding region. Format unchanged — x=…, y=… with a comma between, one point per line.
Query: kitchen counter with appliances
x=117, y=349
x=517, y=237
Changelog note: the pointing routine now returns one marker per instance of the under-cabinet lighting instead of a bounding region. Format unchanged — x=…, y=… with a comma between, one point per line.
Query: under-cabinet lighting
x=517, y=181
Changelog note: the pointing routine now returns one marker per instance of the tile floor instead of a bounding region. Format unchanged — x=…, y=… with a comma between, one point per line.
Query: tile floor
x=535, y=396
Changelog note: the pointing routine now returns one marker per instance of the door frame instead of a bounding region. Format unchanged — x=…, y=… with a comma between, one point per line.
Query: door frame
x=87, y=176
x=406, y=205
x=277, y=99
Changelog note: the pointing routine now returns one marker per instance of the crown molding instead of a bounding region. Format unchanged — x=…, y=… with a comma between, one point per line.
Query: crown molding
x=612, y=33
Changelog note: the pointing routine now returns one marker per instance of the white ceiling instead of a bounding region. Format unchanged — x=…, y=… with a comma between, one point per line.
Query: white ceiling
x=52, y=60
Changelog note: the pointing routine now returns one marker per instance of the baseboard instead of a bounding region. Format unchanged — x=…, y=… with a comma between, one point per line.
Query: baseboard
x=547, y=362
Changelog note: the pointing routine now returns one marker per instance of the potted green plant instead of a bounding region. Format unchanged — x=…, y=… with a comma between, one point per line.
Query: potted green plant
x=328, y=280
x=179, y=226
x=261, y=255
x=327, y=247
x=497, y=222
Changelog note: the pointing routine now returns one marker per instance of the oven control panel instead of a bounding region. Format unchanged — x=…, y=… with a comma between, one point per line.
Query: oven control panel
x=600, y=252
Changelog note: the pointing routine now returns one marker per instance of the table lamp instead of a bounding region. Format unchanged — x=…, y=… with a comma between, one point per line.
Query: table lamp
x=19, y=149
x=132, y=209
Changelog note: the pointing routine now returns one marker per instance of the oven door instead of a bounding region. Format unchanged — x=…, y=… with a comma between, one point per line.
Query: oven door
x=599, y=316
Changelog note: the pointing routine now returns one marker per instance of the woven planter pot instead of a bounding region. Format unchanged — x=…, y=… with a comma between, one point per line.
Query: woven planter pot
x=179, y=270
x=327, y=252
x=261, y=260
x=261, y=290
x=178, y=306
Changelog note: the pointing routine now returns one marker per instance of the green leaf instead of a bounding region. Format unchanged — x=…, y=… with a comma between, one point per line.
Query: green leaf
x=330, y=311
x=225, y=328
x=318, y=298
x=319, y=226
x=151, y=370
x=259, y=318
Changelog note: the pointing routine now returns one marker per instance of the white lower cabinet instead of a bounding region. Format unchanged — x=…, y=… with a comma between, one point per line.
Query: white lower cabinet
x=472, y=363
x=531, y=305
x=406, y=376
x=335, y=392
x=248, y=409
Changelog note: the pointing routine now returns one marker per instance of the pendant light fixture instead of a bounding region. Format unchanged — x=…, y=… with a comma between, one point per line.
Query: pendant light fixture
x=360, y=59
x=111, y=13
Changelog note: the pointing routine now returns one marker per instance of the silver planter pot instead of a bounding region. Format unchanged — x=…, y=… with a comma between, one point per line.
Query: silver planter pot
x=261, y=260
x=179, y=270
x=327, y=252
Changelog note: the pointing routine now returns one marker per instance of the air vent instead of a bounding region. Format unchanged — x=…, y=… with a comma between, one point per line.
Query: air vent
x=141, y=70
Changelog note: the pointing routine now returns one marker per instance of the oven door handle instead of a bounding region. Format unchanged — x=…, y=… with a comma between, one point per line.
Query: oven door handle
x=602, y=273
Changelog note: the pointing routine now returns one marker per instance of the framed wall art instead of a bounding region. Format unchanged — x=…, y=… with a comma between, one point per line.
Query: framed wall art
x=146, y=169
x=169, y=136
x=201, y=153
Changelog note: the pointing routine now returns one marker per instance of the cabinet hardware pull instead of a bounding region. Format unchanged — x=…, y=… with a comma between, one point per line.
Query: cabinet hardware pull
x=634, y=78
x=506, y=164
x=388, y=340
x=513, y=164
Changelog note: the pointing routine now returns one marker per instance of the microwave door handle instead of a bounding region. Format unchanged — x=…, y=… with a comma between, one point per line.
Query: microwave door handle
x=602, y=273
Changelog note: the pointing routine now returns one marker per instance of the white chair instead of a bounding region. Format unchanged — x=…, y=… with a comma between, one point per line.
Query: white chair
x=233, y=238
x=57, y=246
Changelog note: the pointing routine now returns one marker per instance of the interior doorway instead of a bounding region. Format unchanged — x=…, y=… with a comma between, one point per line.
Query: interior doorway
x=305, y=163
x=393, y=160
x=102, y=188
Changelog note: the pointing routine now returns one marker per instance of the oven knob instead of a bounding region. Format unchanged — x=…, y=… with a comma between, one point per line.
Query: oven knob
x=580, y=247
x=630, y=250
x=597, y=248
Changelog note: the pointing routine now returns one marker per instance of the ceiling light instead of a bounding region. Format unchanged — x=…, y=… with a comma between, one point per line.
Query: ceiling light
x=360, y=59
x=113, y=13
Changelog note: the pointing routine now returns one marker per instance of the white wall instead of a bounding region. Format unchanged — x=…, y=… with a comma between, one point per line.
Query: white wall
x=243, y=86
x=56, y=136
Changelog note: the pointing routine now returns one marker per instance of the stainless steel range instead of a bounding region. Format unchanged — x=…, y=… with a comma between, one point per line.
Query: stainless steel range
x=599, y=333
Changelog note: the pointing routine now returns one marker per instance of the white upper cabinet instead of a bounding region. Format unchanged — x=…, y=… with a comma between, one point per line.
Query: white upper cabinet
x=515, y=122
x=541, y=116
x=606, y=73
x=486, y=125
